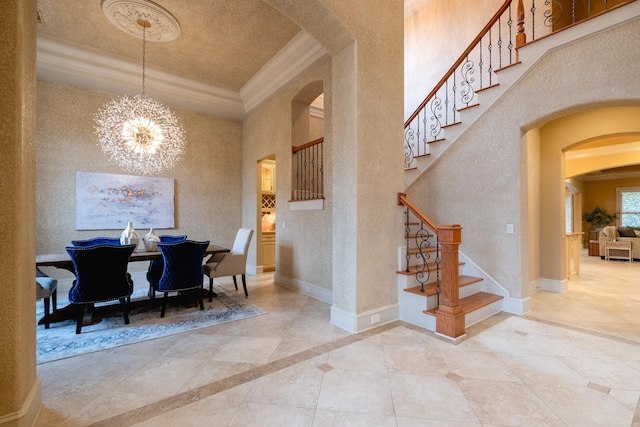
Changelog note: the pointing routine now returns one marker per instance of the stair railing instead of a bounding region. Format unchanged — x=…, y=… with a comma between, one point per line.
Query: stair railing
x=494, y=48
x=449, y=316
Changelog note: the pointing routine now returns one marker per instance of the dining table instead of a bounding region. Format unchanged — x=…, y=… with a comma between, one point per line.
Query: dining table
x=63, y=261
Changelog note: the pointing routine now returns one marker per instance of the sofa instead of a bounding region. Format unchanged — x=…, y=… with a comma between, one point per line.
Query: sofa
x=623, y=234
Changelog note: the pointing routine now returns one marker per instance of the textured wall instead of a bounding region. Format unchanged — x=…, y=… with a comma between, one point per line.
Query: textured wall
x=208, y=190
x=20, y=389
x=304, y=247
x=479, y=182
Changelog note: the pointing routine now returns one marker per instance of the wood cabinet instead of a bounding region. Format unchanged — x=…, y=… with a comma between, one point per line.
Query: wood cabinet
x=268, y=176
x=268, y=251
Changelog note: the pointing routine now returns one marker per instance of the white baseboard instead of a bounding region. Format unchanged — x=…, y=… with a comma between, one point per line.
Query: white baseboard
x=314, y=291
x=355, y=323
x=554, y=285
x=28, y=414
x=516, y=306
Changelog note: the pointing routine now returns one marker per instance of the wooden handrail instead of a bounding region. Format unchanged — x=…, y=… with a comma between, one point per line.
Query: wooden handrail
x=403, y=201
x=453, y=68
x=308, y=144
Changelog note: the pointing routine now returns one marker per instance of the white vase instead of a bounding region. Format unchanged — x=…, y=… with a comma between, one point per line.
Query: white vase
x=150, y=239
x=129, y=236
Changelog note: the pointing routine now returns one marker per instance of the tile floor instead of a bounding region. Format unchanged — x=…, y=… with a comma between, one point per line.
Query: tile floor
x=573, y=361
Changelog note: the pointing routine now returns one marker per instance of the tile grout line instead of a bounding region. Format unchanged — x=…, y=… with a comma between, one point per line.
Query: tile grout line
x=171, y=403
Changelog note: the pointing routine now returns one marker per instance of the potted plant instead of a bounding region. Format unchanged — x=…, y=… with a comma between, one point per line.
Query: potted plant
x=599, y=217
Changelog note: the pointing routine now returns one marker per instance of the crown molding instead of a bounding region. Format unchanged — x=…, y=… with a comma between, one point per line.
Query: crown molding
x=79, y=65
x=294, y=58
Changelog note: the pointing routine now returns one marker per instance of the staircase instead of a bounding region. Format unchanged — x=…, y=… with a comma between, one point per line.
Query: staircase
x=422, y=276
x=497, y=58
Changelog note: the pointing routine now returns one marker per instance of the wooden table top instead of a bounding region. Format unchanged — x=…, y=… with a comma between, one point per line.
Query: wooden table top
x=63, y=261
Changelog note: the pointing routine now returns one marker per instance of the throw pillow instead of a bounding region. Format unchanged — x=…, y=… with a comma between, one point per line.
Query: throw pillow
x=610, y=231
x=626, y=232
x=637, y=233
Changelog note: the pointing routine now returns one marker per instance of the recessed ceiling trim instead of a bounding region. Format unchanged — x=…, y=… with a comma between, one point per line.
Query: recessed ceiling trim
x=78, y=65
x=608, y=150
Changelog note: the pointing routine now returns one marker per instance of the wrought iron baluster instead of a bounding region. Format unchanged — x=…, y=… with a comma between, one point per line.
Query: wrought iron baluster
x=321, y=170
x=480, y=64
x=467, y=70
x=533, y=20
x=510, y=25
x=409, y=136
x=436, y=126
x=553, y=13
x=423, y=273
x=453, y=109
x=407, y=231
x=500, y=42
x=446, y=102
x=490, y=70
x=605, y=4
x=573, y=11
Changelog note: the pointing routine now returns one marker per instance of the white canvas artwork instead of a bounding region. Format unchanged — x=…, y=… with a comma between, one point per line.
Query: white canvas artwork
x=109, y=201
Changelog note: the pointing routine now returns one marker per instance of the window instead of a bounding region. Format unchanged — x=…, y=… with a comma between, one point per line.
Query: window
x=629, y=206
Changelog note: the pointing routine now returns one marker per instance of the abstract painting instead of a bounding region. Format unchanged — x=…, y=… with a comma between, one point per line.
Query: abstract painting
x=109, y=201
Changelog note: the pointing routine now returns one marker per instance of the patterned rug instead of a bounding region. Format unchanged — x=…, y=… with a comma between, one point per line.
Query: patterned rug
x=60, y=340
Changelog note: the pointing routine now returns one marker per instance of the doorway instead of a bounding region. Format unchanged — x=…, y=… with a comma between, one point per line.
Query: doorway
x=267, y=213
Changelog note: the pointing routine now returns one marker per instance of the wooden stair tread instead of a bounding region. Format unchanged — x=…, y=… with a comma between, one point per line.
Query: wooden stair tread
x=472, y=302
x=467, y=280
x=429, y=290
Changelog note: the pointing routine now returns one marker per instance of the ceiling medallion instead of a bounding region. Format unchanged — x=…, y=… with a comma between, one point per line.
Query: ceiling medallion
x=125, y=14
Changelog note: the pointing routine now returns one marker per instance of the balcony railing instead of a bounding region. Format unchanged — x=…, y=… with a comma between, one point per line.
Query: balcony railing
x=308, y=171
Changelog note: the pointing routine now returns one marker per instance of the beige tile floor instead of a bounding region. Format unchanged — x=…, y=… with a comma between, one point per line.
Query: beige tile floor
x=573, y=361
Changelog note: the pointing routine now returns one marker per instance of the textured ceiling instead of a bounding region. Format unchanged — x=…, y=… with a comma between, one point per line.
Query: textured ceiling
x=223, y=42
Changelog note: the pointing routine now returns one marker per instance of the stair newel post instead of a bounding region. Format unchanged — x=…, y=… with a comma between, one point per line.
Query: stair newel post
x=449, y=316
x=521, y=37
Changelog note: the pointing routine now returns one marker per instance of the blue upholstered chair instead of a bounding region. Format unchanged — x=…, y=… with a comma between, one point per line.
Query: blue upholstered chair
x=46, y=289
x=101, y=275
x=231, y=263
x=182, y=269
x=157, y=265
x=97, y=241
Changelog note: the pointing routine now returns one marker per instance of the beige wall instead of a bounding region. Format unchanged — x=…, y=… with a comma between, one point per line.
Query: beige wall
x=303, y=248
x=20, y=388
x=434, y=38
x=603, y=193
x=478, y=182
x=207, y=179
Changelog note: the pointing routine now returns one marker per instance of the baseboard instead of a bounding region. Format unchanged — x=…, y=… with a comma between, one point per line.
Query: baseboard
x=554, y=285
x=355, y=323
x=516, y=306
x=28, y=414
x=314, y=291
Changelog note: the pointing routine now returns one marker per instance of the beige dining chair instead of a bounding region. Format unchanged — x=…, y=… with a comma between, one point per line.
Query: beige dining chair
x=46, y=289
x=230, y=263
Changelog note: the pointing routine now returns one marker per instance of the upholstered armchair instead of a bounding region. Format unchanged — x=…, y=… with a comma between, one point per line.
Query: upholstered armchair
x=47, y=290
x=157, y=265
x=182, y=269
x=232, y=263
x=97, y=241
x=101, y=275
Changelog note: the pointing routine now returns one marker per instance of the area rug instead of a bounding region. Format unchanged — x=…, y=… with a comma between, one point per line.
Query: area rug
x=61, y=341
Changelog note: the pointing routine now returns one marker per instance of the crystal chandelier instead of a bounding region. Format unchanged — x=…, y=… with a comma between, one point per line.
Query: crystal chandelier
x=139, y=133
